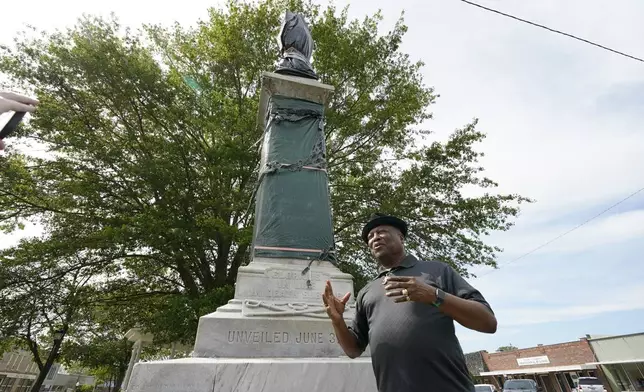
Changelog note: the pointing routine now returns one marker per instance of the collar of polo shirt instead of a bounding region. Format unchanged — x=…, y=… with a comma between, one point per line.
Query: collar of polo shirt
x=408, y=262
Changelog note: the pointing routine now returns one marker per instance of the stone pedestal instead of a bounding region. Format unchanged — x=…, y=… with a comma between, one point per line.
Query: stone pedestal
x=277, y=312
x=274, y=336
x=254, y=375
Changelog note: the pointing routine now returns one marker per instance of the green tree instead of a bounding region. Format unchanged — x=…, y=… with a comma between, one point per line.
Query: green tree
x=152, y=139
x=509, y=347
x=98, y=344
x=100, y=347
x=44, y=287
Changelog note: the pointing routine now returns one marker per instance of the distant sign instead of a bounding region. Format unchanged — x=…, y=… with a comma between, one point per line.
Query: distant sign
x=543, y=360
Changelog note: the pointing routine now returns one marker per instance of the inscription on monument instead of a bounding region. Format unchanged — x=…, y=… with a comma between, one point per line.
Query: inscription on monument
x=285, y=284
x=268, y=292
x=280, y=337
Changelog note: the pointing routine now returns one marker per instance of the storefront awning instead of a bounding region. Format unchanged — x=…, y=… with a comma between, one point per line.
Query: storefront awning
x=550, y=369
x=616, y=362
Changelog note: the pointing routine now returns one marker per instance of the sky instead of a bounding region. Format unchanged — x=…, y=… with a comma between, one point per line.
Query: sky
x=563, y=123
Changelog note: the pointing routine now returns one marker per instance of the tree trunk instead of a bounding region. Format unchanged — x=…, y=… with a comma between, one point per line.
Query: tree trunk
x=118, y=383
x=121, y=375
x=112, y=383
x=221, y=264
x=47, y=366
x=240, y=256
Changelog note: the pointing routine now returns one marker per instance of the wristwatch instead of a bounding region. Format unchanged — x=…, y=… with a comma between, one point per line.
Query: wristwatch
x=440, y=297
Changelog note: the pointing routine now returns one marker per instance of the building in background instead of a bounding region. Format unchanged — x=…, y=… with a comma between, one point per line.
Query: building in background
x=18, y=372
x=476, y=365
x=554, y=367
x=622, y=360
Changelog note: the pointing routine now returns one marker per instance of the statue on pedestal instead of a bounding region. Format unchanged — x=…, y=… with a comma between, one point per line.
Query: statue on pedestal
x=296, y=47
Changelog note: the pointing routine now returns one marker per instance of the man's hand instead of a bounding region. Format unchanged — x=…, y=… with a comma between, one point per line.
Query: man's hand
x=334, y=306
x=15, y=102
x=404, y=289
x=468, y=313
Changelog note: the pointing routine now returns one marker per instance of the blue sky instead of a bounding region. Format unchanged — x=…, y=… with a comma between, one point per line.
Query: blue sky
x=564, y=124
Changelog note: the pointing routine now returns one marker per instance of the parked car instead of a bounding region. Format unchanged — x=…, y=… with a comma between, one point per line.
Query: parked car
x=589, y=384
x=484, y=388
x=521, y=386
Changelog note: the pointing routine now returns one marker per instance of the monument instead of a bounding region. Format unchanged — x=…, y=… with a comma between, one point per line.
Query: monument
x=274, y=335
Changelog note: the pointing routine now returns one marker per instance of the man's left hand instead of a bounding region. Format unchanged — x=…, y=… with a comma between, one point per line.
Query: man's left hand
x=405, y=288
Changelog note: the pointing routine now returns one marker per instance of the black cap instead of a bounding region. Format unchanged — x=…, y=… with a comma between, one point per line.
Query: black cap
x=379, y=219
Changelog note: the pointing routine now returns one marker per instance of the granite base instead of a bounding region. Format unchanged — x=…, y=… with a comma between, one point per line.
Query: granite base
x=254, y=375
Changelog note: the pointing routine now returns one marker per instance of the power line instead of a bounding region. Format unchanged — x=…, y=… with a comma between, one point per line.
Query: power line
x=554, y=31
x=565, y=233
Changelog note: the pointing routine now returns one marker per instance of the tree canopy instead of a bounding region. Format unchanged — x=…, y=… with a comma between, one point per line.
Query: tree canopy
x=152, y=158
x=509, y=347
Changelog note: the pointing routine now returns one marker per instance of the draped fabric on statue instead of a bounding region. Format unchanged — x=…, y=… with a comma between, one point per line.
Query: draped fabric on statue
x=293, y=209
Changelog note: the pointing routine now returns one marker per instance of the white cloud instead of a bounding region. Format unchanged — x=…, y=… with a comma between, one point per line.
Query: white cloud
x=605, y=230
x=470, y=336
x=30, y=230
x=531, y=90
x=565, y=309
x=622, y=299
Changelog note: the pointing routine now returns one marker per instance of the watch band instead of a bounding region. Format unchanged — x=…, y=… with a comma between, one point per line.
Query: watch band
x=440, y=297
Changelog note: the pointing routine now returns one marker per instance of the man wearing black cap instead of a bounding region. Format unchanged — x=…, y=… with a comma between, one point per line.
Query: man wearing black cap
x=406, y=316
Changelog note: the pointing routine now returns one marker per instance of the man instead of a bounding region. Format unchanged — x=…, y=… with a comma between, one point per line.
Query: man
x=406, y=316
x=17, y=103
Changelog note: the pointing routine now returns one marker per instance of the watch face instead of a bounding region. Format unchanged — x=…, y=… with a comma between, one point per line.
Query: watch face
x=440, y=296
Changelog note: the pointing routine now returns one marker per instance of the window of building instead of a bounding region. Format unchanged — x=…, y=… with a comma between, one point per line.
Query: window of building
x=23, y=385
x=562, y=382
x=7, y=384
x=570, y=381
x=640, y=380
x=620, y=377
x=4, y=360
x=53, y=371
x=12, y=361
x=634, y=376
x=20, y=366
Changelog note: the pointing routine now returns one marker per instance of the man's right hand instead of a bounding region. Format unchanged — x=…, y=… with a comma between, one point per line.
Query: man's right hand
x=18, y=103
x=15, y=102
x=334, y=306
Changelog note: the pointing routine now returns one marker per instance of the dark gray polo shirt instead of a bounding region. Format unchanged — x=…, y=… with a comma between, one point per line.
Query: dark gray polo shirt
x=413, y=345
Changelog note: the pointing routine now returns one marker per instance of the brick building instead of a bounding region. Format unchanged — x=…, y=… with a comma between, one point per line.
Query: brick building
x=554, y=367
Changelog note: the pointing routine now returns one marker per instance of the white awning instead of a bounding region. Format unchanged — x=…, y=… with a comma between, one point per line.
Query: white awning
x=19, y=375
x=616, y=362
x=550, y=369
